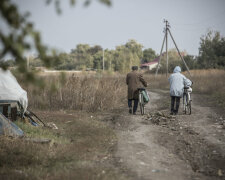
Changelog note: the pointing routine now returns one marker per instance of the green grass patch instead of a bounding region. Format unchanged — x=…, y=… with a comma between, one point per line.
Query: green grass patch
x=41, y=133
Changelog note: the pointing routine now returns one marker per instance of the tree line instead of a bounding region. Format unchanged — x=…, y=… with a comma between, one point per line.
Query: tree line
x=86, y=57
x=211, y=54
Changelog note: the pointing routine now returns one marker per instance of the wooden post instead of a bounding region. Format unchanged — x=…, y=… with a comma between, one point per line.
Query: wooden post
x=160, y=55
x=179, y=53
x=103, y=63
x=167, y=58
x=166, y=48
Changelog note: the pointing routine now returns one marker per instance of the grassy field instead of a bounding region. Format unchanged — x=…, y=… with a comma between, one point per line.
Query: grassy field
x=93, y=92
x=89, y=93
x=82, y=147
x=210, y=83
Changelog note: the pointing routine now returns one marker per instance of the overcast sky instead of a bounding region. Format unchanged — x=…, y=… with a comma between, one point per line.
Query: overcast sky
x=141, y=20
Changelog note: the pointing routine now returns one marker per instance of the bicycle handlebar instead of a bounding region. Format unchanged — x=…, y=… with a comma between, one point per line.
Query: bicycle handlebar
x=141, y=89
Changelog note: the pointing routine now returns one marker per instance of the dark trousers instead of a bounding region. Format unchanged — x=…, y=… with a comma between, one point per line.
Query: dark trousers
x=173, y=100
x=135, y=104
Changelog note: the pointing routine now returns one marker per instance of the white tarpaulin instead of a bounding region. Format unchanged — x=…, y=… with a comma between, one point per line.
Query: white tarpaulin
x=11, y=90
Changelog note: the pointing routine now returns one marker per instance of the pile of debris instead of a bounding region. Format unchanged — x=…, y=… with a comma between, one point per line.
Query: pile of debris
x=160, y=118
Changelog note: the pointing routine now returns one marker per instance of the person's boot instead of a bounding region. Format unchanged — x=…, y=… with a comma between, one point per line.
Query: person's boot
x=175, y=112
x=172, y=112
x=177, y=108
x=130, y=110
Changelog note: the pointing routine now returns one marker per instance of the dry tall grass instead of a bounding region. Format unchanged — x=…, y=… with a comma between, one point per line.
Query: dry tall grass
x=211, y=83
x=93, y=93
x=157, y=82
x=207, y=82
x=78, y=93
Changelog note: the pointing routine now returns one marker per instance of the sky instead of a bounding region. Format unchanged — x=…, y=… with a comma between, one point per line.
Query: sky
x=141, y=20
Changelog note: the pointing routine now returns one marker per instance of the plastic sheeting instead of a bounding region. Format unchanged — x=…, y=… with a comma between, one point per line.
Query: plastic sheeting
x=8, y=128
x=11, y=90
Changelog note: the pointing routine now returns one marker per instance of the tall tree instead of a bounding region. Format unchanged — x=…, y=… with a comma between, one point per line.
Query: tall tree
x=135, y=47
x=212, y=51
x=148, y=55
x=83, y=57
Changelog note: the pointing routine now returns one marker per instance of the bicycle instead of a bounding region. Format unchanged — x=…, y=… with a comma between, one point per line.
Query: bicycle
x=141, y=100
x=187, y=100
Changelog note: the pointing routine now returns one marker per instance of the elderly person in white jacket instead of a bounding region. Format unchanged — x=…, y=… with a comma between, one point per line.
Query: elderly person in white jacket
x=177, y=83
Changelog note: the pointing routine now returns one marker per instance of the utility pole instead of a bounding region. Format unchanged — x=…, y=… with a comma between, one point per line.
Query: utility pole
x=103, y=63
x=160, y=56
x=28, y=62
x=179, y=53
x=167, y=27
x=166, y=30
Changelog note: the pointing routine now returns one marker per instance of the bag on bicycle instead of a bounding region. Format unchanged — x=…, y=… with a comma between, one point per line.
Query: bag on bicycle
x=146, y=96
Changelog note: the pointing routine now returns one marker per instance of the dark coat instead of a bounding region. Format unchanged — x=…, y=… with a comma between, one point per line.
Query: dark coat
x=134, y=81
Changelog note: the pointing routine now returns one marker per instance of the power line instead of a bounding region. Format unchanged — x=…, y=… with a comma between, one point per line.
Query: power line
x=202, y=21
x=165, y=39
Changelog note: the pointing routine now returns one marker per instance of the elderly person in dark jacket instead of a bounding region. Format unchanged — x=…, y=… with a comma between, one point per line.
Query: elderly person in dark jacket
x=134, y=81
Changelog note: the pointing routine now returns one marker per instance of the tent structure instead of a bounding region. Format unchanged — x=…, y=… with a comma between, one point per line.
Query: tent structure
x=11, y=94
x=13, y=103
x=10, y=90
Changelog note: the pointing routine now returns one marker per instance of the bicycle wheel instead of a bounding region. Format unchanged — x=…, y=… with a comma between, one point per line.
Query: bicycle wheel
x=142, y=109
x=141, y=104
x=185, y=103
x=189, y=107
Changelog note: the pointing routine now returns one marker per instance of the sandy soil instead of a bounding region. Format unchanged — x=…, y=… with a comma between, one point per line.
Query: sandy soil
x=162, y=147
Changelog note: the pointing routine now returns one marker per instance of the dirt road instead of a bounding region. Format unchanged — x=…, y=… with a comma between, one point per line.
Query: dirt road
x=117, y=145
x=161, y=147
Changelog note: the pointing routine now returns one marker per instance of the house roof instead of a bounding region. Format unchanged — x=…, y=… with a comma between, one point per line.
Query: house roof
x=156, y=60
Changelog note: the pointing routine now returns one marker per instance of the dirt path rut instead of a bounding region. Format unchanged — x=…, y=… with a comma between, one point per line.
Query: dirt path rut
x=171, y=150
